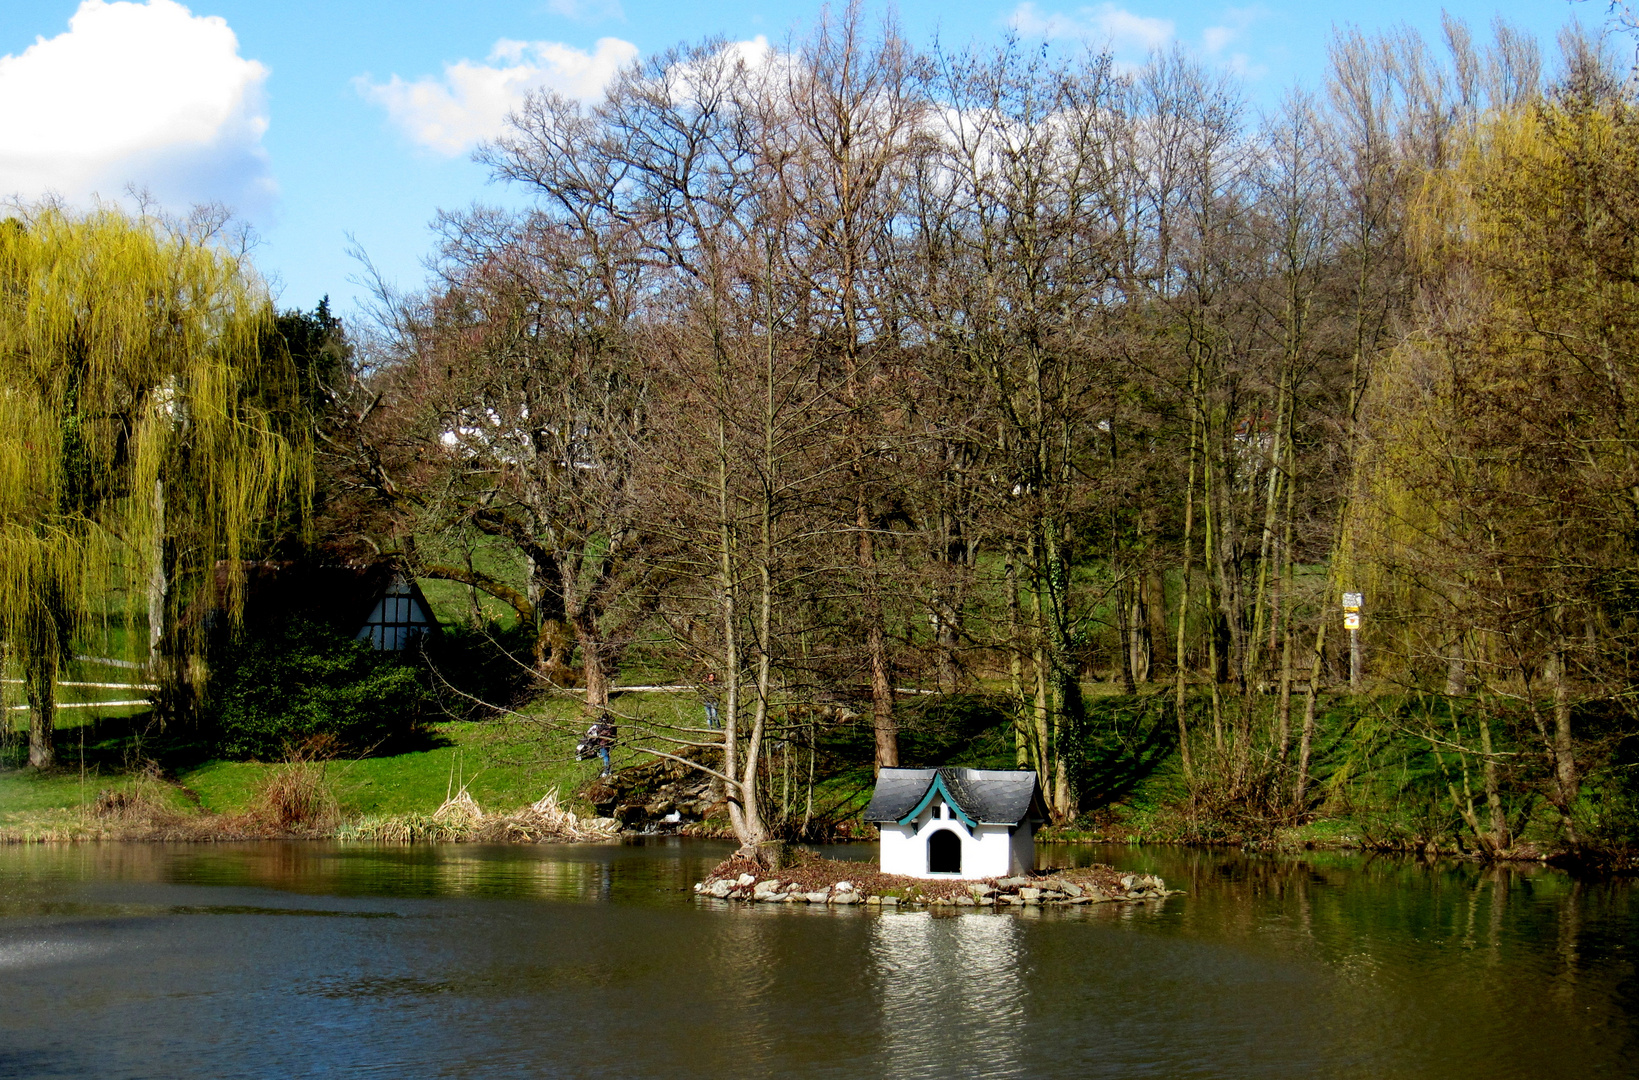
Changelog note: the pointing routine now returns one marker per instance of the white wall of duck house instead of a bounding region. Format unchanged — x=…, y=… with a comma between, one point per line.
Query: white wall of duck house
x=987, y=850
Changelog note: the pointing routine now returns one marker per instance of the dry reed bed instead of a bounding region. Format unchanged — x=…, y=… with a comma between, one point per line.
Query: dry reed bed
x=462, y=820
x=297, y=802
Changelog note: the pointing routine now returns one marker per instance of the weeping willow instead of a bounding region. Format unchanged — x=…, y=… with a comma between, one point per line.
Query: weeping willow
x=1502, y=474
x=144, y=431
x=1503, y=470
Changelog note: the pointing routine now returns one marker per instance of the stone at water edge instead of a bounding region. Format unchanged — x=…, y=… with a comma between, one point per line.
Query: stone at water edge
x=844, y=886
x=816, y=897
x=746, y=879
x=1012, y=882
x=1071, y=888
x=721, y=888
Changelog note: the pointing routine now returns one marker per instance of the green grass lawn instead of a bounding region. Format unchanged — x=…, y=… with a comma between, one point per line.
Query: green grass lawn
x=504, y=763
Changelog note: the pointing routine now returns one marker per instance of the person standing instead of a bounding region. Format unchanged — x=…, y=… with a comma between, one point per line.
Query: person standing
x=708, y=698
x=601, y=735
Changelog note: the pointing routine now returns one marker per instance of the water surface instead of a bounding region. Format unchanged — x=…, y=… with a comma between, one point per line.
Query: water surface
x=293, y=960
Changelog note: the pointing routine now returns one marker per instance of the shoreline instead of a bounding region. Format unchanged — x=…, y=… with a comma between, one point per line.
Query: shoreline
x=813, y=879
x=522, y=829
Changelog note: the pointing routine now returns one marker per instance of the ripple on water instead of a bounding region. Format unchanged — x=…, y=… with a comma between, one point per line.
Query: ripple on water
x=287, y=960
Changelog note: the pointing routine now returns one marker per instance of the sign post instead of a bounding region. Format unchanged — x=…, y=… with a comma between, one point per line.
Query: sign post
x=1351, y=623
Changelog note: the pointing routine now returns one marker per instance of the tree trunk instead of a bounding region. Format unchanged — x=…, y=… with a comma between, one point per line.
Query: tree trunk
x=1015, y=662
x=742, y=814
x=947, y=637
x=554, y=635
x=596, y=668
x=41, y=681
x=753, y=831
x=882, y=718
x=1067, y=707
x=1566, y=781
x=1306, y=740
x=1500, y=840
x=1126, y=635
x=1155, y=613
x=1179, y=704
x=1456, y=671
x=158, y=581
x=1288, y=598
x=1261, y=618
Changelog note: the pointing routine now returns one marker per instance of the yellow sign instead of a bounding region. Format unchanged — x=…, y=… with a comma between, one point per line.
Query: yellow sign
x=1351, y=621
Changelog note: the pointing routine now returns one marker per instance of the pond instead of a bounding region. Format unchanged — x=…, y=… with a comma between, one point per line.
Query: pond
x=294, y=960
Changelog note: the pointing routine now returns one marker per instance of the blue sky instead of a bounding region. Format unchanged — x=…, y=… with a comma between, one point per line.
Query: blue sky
x=319, y=120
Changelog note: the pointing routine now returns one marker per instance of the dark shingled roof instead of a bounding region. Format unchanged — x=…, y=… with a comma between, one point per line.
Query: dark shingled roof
x=988, y=796
x=340, y=595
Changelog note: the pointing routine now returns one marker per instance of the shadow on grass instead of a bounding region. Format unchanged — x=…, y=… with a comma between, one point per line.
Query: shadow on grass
x=1127, y=740
x=115, y=745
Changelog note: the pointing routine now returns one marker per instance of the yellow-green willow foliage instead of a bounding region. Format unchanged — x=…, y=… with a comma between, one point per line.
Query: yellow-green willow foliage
x=1500, y=483
x=139, y=424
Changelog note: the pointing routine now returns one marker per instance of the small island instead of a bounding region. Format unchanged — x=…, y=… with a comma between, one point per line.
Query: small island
x=812, y=879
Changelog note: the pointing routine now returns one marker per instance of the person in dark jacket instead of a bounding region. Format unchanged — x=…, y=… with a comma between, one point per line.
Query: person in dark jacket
x=601, y=735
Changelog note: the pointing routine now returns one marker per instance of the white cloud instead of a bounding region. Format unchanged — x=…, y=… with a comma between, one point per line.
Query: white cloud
x=136, y=94
x=1235, y=21
x=1105, y=24
x=471, y=101
x=753, y=54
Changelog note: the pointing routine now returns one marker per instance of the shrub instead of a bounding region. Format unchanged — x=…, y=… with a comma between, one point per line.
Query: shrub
x=480, y=669
x=274, y=691
x=297, y=795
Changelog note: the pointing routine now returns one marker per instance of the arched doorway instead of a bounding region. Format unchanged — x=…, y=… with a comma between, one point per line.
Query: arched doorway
x=944, y=852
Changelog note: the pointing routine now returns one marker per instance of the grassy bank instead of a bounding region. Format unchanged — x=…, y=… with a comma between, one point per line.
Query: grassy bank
x=1376, y=785
x=501, y=764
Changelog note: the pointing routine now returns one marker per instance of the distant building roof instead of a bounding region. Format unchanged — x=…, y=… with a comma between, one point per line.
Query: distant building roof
x=377, y=601
x=983, y=796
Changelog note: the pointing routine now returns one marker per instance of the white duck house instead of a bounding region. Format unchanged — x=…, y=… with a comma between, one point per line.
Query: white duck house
x=960, y=823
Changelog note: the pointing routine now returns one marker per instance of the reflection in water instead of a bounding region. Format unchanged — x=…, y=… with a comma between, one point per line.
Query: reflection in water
x=952, y=994
x=279, y=960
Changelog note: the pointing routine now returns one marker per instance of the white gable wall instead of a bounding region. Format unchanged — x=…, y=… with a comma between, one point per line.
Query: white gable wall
x=396, y=619
x=988, y=851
